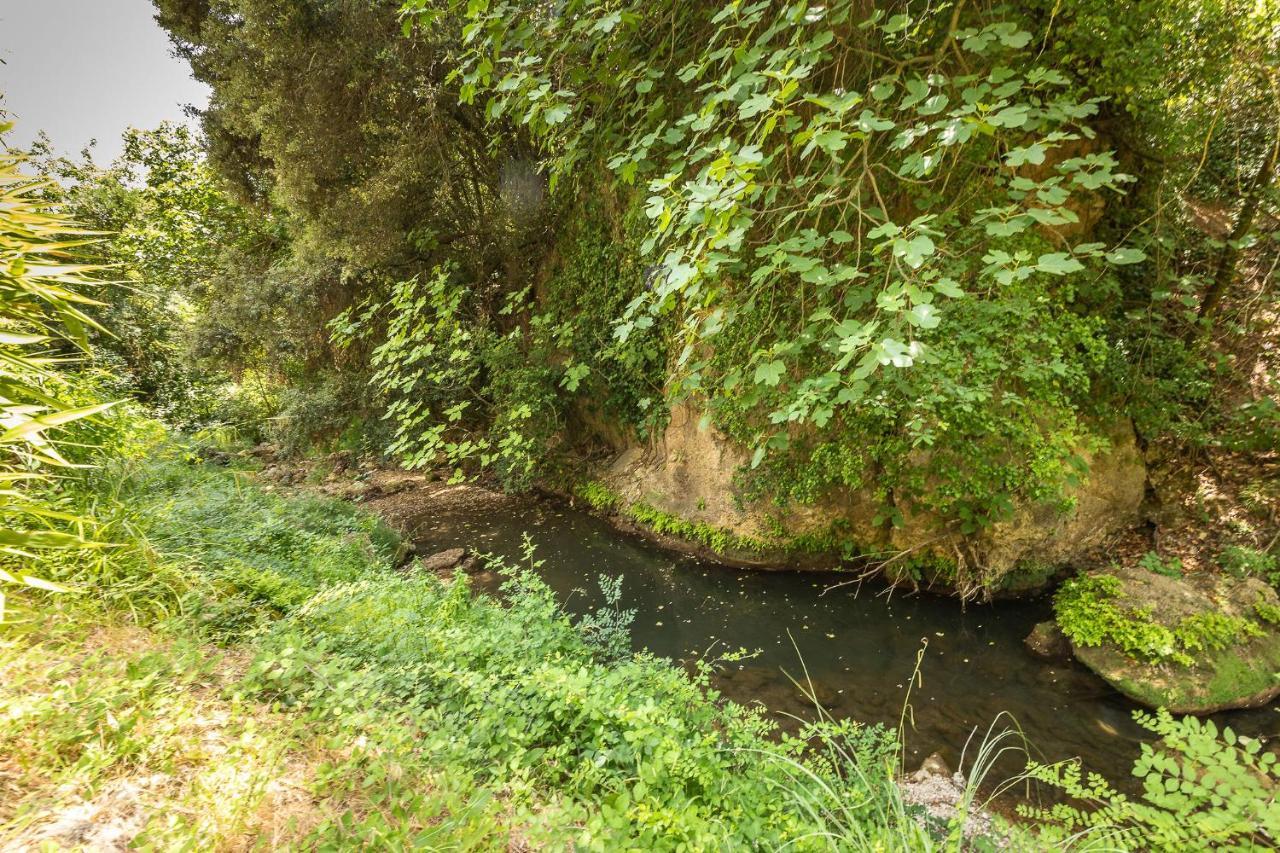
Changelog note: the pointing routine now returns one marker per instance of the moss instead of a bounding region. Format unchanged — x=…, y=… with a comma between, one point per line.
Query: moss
x=719, y=540
x=1027, y=575
x=1224, y=680
x=597, y=496
x=1235, y=675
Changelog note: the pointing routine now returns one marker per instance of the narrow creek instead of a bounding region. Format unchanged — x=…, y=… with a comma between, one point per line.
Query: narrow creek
x=859, y=646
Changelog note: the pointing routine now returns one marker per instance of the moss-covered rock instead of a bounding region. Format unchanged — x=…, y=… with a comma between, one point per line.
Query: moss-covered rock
x=1047, y=642
x=1194, y=645
x=691, y=472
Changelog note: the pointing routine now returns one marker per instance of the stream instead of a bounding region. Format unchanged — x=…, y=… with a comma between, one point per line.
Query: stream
x=859, y=645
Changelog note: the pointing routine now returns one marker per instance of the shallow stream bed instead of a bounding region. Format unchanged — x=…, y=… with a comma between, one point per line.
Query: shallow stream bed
x=859, y=645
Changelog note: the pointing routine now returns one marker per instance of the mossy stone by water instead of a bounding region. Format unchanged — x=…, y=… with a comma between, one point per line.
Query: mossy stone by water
x=1233, y=664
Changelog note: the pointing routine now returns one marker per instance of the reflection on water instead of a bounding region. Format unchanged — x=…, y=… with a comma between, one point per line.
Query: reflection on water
x=859, y=647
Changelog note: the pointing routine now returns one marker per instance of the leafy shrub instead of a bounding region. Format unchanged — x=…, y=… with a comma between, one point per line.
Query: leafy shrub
x=1239, y=561
x=586, y=743
x=609, y=627
x=1201, y=791
x=800, y=258
x=43, y=327
x=1153, y=562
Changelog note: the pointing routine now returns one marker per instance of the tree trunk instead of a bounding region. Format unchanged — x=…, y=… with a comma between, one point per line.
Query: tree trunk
x=1230, y=255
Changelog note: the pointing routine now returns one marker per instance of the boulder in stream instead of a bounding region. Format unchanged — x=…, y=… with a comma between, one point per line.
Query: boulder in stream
x=1047, y=642
x=448, y=561
x=1197, y=644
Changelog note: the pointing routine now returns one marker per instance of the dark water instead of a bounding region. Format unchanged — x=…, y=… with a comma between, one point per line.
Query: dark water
x=859, y=646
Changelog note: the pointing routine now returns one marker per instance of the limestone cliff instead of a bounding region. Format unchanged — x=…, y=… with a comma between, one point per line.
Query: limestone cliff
x=689, y=472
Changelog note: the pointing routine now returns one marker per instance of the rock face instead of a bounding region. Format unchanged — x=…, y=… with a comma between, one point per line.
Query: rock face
x=689, y=472
x=1246, y=674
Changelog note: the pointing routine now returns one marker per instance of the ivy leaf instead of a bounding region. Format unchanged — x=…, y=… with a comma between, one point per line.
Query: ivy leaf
x=948, y=287
x=769, y=373
x=1058, y=263
x=831, y=141
x=895, y=352
x=1014, y=116
x=1016, y=40
x=608, y=22
x=1007, y=229
x=933, y=105
x=869, y=122
x=755, y=105
x=897, y=24
x=886, y=229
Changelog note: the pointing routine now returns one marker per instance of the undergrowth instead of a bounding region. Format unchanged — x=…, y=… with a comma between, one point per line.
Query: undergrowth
x=354, y=705
x=437, y=713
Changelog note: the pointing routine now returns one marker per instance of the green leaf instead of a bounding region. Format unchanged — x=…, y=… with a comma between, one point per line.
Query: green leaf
x=831, y=141
x=869, y=122
x=1126, y=255
x=1058, y=263
x=1033, y=154
x=948, y=287
x=923, y=316
x=914, y=251
x=53, y=419
x=755, y=105
x=769, y=373
x=556, y=114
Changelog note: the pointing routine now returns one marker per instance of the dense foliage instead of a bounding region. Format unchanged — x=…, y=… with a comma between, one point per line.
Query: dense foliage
x=936, y=254
x=178, y=247
x=413, y=711
x=931, y=255
x=582, y=738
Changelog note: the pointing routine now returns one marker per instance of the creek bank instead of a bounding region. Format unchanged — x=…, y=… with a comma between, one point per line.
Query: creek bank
x=859, y=648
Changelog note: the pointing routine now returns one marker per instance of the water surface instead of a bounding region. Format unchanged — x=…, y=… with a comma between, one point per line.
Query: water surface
x=859, y=646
